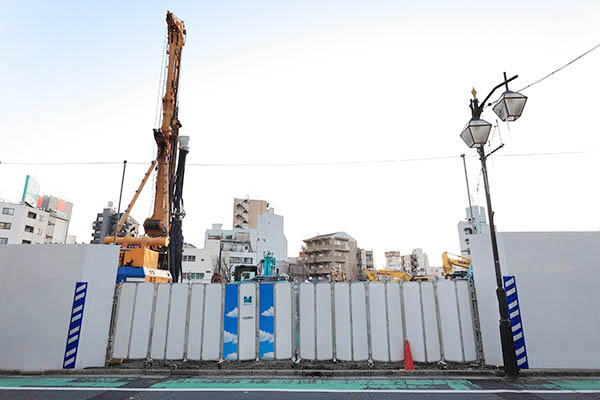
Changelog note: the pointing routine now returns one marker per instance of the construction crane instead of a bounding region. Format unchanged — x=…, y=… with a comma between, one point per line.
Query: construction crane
x=162, y=246
x=450, y=260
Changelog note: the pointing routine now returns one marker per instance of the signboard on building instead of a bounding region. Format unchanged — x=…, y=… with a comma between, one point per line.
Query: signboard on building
x=31, y=192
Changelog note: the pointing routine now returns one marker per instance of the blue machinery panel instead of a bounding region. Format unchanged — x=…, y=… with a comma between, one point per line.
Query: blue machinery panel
x=230, y=322
x=266, y=322
x=75, y=325
x=514, y=314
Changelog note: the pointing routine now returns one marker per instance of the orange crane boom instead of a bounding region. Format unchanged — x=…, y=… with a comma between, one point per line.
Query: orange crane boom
x=166, y=136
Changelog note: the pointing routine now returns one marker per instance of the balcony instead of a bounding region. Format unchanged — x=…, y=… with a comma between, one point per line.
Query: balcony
x=326, y=258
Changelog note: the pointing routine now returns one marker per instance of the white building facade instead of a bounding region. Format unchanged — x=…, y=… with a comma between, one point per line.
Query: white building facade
x=475, y=223
x=22, y=224
x=233, y=247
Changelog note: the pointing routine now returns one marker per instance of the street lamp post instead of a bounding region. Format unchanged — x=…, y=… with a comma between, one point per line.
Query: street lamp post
x=475, y=134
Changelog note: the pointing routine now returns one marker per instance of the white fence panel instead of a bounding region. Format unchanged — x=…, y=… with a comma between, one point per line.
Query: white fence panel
x=123, y=323
x=324, y=322
x=449, y=320
x=343, y=339
x=378, y=320
x=432, y=338
x=176, y=326
x=360, y=341
x=396, y=335
x=194, y=345
x=283, y=320
x=213, y=317
x=466, y=319
x=140, y=330
x=159, y=331
x=307, y=321
x=414, y=320
x=247, y=322
x=346, y=321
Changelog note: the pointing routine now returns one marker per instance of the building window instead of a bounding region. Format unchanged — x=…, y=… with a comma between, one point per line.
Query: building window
x=8, y=211
x=3, y=240
x=5, y=225
x=31, y=215
x=26, y=242
x=28, y=228
x=189, y=258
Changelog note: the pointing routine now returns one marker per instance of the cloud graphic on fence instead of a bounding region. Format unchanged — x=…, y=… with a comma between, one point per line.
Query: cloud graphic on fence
x=269, y=312
x=269, y=355
x=233, y=313
x=229, y=337
x=231, y=356
x=266, y=336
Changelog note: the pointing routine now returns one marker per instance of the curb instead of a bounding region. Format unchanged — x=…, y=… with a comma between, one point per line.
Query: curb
x=315, y=373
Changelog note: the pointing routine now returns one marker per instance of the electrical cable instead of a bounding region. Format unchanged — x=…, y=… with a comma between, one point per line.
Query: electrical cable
x=559, y=69
x=309, y=164
x=161, y=82
x=493, y=103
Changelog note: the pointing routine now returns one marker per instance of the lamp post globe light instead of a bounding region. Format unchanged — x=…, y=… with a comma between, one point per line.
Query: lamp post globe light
x=475, y=134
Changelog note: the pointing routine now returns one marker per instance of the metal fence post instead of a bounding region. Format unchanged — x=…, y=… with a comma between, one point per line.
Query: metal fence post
x=460, y=330
x=439, y=320
x=132, y=319
x=152, y=320
x=186, y=336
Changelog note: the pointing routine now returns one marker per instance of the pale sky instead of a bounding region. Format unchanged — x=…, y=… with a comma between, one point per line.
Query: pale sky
x=309, y=82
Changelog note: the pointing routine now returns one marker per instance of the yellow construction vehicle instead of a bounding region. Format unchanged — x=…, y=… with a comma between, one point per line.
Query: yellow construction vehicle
x=386, y=275
x=162, y=246
x=450, y=260
x=337, y=274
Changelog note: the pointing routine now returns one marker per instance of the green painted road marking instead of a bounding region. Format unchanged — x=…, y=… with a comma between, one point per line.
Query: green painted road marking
x=318, y=384
x=577, y=384
x=300, y=384
x=63, y=382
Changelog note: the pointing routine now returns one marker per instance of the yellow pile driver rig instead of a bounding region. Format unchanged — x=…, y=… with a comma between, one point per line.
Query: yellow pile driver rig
x=159, y=252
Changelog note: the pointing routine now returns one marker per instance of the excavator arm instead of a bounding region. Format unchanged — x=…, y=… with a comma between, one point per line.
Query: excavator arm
x=453, y=260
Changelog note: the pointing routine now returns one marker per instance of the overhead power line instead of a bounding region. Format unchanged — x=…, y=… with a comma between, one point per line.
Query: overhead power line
x=307, y=164
x=560, y=69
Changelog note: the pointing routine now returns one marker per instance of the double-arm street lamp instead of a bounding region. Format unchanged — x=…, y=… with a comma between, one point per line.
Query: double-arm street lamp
x=475, y=134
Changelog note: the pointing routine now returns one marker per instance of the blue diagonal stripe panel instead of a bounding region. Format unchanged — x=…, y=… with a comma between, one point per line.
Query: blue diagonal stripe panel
x=516, y=322
x=75, y=325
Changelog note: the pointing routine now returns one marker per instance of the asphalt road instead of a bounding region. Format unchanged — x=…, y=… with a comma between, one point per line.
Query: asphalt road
x=152, y=387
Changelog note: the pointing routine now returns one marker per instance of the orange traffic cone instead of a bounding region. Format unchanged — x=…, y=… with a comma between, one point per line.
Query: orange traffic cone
x=408, y=360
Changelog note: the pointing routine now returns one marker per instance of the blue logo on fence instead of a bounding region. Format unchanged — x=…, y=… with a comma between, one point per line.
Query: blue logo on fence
x=247, y=300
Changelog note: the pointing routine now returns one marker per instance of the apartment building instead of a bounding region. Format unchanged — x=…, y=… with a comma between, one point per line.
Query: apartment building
x=324, y=253
x=22, y=224
x=366, y=259
x=416, y=263
x=247, y=211
x=223, y=249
